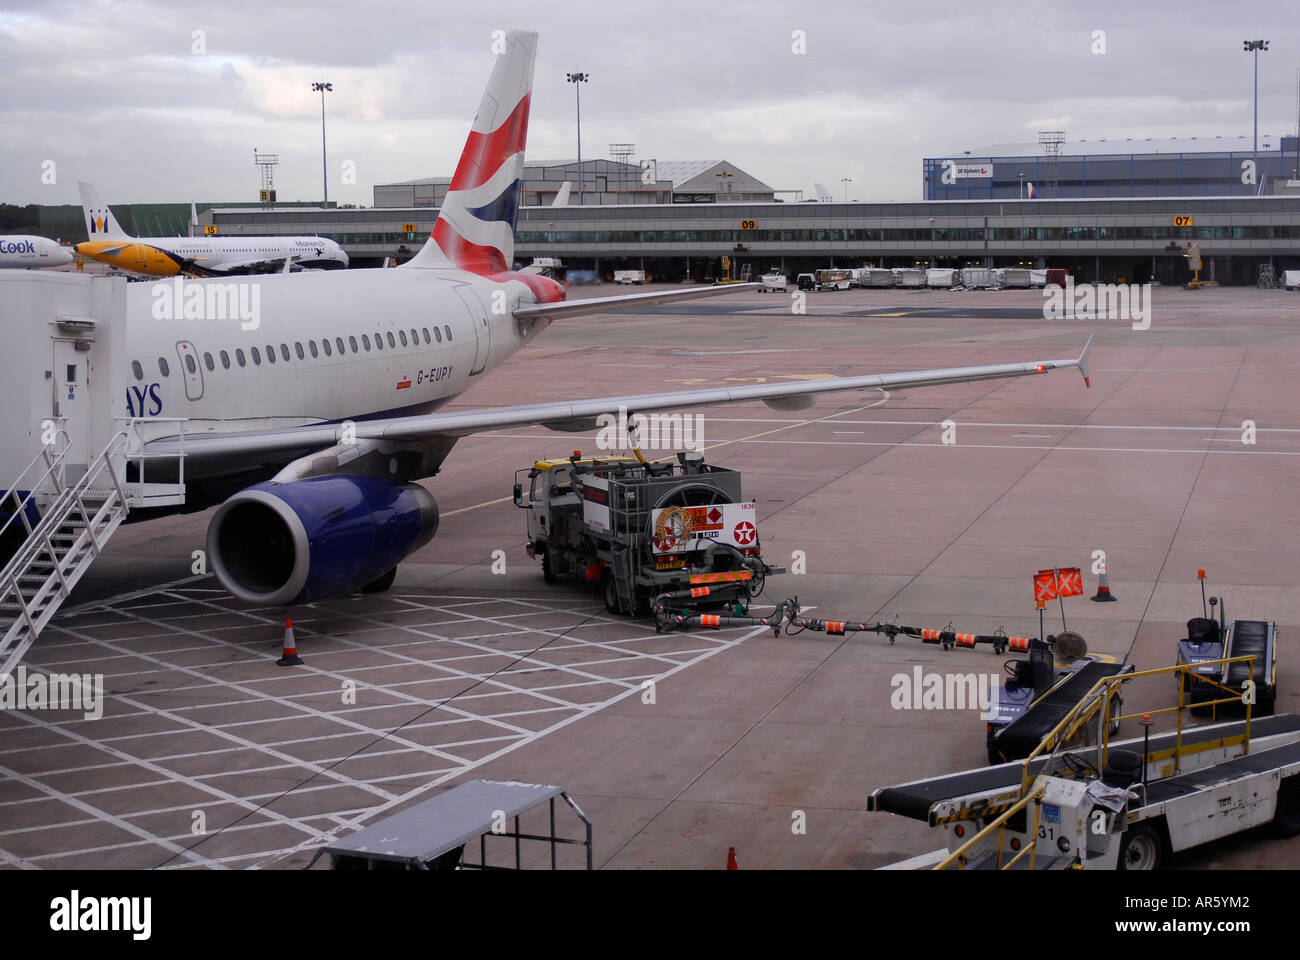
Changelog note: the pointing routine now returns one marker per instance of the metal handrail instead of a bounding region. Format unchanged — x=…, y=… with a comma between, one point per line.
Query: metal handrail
x=958, y=856
x=1108, y=684
x=53, y=472
x=131, y=430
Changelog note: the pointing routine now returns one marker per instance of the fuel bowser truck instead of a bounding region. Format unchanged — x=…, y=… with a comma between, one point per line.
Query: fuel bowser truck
x=677, y=531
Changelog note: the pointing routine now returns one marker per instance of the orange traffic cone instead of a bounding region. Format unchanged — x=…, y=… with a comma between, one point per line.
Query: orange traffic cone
x=731, y=859
x=290, y=656
x=1103, y=588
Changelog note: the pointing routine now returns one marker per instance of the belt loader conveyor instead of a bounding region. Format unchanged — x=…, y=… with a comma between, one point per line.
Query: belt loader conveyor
x=986, y=791
x=1101, y=805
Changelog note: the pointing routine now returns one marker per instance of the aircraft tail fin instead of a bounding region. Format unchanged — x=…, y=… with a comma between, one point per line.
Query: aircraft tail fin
x=100, y=222
x=823, y=195
x=562, y=195
x=475, y=230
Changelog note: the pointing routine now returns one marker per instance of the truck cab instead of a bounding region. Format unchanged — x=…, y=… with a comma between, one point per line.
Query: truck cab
x=548, y=492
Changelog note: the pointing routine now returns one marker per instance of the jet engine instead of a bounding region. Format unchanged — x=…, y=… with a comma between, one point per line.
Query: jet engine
x=286, y=543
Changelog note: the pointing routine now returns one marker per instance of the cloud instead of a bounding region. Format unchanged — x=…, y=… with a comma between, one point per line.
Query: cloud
x=116, y=92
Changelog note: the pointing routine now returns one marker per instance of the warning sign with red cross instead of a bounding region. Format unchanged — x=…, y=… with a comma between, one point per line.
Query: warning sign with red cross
x=695, y=528
x=1058, y=582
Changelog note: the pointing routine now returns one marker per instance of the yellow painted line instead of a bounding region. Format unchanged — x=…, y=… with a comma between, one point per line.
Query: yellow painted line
x=789, y=426
x=485, y=503
x=886, y=314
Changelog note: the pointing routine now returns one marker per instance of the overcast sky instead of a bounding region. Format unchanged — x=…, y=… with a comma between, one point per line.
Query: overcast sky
x=113, y=91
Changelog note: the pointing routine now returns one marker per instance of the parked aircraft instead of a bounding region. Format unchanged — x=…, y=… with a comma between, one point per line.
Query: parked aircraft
x=195, y=256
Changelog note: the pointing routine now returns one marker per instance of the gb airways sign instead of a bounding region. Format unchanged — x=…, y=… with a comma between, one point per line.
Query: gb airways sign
x=954, y=171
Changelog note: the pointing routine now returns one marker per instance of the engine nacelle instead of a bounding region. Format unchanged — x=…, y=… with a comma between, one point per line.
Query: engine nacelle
x=285, y=543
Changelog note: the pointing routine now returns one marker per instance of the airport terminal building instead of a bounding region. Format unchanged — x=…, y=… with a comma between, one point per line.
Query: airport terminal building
x=1097, y=169
x=673, y=224
x=1105, y=240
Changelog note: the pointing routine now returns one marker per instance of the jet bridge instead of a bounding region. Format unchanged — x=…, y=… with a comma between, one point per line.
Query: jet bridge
x=64, y=448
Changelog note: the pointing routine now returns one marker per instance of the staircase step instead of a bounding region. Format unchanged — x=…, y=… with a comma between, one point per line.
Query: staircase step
x=75, y=523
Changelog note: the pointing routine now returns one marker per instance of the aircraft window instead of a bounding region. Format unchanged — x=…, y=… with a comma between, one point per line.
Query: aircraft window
x=415, y=338
x=208, y=361
x=284, y=351
x=270, y=353
x=379, y=341
x=400, y=333
x=137, y=369
x=325, y=345
x=437, y=333
x=239, y=357
x=71, y=373
x=426, y=335
x=338, y=343
x=391, y=342
x=190, y=365
x=447, y=330
x=225, y=360
x=162, y=366
x=297, y=346
x=257, y=357
x=352, y=342
x=365, y=341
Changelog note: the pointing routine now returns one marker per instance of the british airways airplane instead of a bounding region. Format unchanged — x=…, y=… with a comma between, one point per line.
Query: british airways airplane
x=33, y=253
x=195, y=256
x=310, y=422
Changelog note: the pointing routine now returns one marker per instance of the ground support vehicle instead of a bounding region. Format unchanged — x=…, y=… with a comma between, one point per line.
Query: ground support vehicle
x=1085, y=802
x=640, y=530
x=833, y=279
x=1208, y=640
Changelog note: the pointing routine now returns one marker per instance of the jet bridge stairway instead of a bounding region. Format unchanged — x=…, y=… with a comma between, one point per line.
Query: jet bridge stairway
x=75, y=523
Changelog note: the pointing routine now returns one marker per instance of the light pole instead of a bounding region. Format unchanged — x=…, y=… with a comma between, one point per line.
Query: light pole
x=1021, y=194
x=323, y=88
x=1254, y=46
x=846, y=181
x=577, y=79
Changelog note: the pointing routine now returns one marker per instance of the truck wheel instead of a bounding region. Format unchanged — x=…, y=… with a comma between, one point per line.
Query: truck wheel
x=548, y=571
x=1286, y=821
x=611, y=592
x=1143, y=848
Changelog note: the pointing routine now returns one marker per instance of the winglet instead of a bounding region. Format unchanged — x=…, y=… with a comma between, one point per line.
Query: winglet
x=1083, y=360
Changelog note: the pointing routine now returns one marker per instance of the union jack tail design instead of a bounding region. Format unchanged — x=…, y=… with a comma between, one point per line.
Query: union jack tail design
x=476, y=226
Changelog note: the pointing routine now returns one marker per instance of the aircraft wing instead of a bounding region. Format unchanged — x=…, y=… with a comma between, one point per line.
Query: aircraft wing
x=262, y=264
x=578, y=308
x=581, y=415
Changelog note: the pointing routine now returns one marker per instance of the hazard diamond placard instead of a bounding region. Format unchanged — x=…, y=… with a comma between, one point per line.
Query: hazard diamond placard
x=684, y=529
